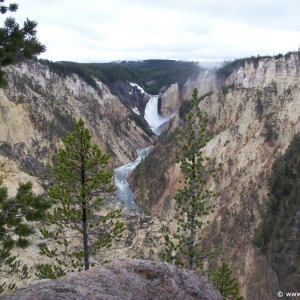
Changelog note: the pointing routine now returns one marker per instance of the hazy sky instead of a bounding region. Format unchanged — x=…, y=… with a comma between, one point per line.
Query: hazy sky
x=199, y=30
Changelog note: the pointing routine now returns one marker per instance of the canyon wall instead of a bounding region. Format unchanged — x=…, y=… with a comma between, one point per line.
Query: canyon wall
x=169, y=101
x=38, y=108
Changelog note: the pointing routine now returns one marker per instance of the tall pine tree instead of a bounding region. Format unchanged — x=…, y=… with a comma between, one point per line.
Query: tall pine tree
x=16, y=215
x=81, y=184
x=181, y=246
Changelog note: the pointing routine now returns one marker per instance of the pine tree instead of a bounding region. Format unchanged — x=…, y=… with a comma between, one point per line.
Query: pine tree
x=4, y=9
x=181, y=247
x=16, y=42
x=226, y=284
x=81, y=184
x=16, y=213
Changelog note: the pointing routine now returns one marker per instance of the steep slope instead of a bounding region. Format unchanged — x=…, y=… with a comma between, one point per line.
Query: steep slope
x=253, y=118
x=170, y=100
x=172, y=97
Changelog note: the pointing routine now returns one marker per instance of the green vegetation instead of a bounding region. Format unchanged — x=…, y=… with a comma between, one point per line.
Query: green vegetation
x=278, y=234
x=152, y=75
x=226, y=284
x=81, y=182
x=107, y=73
x=192, y=197
x=157, y=73
x=271, y=133
x=16, y=216
x=17, y=42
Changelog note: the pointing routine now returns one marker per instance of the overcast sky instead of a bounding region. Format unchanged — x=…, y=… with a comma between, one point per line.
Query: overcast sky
x=198, y=30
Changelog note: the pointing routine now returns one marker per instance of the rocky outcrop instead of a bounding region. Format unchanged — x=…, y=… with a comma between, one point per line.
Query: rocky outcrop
x=122, y=279
x=169, y=101
x=283, y=71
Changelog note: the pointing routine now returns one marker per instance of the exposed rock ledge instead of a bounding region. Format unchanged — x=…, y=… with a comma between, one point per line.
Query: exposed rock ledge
x=122, y=279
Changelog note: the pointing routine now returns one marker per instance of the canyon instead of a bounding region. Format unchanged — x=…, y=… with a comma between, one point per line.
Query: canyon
x=254, y=114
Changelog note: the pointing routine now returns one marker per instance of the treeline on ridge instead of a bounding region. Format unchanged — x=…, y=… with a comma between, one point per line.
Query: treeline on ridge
x=231, y=66
x=106, y=73
x=151, y=75
x=157, y=73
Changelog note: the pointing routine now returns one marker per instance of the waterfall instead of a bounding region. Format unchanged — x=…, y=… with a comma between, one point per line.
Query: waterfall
x=154, y=120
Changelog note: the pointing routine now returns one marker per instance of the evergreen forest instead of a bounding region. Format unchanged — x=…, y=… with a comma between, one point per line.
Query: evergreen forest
x=152, y=75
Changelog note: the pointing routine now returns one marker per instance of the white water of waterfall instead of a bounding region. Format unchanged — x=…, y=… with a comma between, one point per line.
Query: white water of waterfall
x=154, y=120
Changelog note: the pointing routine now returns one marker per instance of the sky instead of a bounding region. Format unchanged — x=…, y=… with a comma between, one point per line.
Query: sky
x=189, y=30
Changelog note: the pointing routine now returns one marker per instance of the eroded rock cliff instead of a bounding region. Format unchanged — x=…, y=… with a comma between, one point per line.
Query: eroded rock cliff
x=169, y=101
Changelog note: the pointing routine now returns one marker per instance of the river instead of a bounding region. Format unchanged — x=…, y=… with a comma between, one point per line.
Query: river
x=124, y=192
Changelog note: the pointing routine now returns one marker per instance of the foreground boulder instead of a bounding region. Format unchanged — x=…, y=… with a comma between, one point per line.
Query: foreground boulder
x=122, y=279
